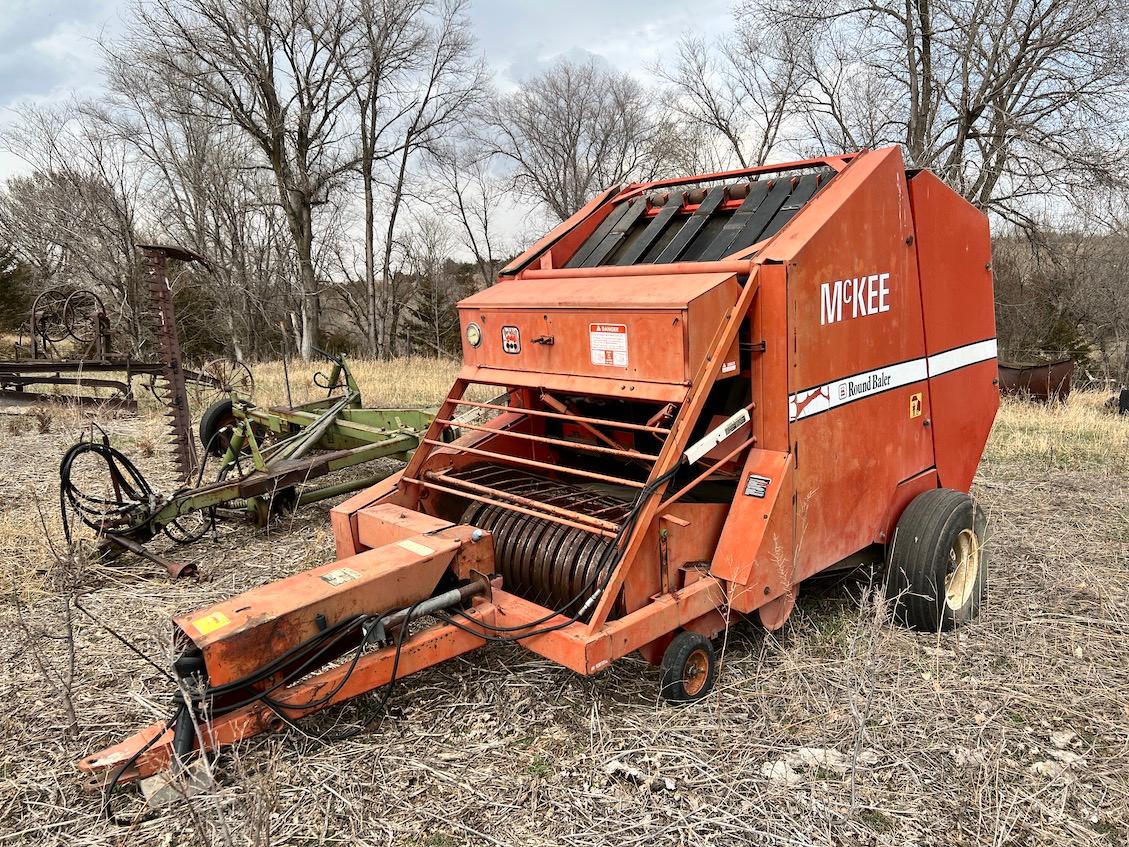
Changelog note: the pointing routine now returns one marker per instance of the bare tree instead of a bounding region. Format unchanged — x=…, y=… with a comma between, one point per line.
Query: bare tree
x=737, y=92
x=75, y=218
x=1006, y=101
x=200, y=192
x=576, y=129
x=470, y=192
x=450, y=84
x=277, y=70
x=433, y=320
x=394, y=36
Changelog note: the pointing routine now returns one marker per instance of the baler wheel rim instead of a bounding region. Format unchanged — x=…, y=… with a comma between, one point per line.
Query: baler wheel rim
x=964, y=569
x=696, y=672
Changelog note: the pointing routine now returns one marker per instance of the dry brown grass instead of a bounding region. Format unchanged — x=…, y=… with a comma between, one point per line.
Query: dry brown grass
x=400, y=382
x=1079, y=433
x=950, y=740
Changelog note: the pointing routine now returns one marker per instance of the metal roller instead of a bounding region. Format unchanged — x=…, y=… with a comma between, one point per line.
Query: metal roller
x=539, y=559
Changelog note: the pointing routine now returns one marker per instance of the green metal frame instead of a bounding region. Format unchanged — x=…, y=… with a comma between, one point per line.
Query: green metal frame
x=338, y=426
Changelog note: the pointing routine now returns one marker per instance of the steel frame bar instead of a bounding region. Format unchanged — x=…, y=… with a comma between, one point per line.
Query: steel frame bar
x=568, y=417
x=733, y=266
x=837, y=163
x=560, y=511
x=505, y=458
x=676, y=444
x=556, y=442
x=510, y=507
x=700, y=478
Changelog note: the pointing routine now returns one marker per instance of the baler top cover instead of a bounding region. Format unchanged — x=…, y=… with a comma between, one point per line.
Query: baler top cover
x=697, y=225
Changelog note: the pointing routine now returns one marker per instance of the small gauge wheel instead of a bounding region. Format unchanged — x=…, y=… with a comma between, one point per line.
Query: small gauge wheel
x=689, y=668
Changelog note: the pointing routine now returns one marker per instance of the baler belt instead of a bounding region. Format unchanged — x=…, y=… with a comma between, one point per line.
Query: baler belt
x=800, y=195
x=692, y=226
x=608, y=245
x=749, y=230
x=593, y=241
x=654, y=229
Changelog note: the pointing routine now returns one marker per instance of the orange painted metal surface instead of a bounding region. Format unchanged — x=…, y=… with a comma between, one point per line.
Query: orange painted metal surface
x=958, y=309
x=575, y=328
x=236, y=634
x=425, y=649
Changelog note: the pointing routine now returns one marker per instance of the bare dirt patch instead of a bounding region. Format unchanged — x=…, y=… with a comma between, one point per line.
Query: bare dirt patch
x=842, y=730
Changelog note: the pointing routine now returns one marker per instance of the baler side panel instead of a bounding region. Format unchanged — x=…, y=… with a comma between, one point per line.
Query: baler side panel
x=859, y=402
x=955, y=252
x=755, y=551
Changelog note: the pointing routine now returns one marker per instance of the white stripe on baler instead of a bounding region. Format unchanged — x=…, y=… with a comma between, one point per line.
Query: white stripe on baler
x=840, y=392
x=962, y=357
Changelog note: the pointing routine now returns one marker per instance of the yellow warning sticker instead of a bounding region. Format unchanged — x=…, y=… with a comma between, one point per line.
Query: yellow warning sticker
x=340, y=576
x=210, y=623
x=915, y=405
x=416, y=547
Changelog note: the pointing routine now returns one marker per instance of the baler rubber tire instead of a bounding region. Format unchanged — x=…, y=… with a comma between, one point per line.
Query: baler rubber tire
x=930, y=535
x=687, y=653
x=216, y=418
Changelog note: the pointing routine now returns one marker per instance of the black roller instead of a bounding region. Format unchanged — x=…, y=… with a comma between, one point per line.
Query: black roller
x=541, y=560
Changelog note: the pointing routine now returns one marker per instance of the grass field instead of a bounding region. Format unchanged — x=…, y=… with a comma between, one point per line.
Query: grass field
x=840, y=730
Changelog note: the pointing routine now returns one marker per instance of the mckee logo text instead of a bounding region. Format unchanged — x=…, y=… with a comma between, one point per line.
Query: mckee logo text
x=855, y=297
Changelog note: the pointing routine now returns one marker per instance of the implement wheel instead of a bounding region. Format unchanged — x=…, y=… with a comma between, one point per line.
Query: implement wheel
x=216, y=425
x=937, y=565
x=689, y=668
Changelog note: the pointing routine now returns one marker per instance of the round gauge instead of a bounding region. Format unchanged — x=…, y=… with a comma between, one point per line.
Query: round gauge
x=473, y=334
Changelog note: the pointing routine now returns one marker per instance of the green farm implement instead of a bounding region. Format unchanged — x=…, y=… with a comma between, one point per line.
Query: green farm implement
x=268, y=461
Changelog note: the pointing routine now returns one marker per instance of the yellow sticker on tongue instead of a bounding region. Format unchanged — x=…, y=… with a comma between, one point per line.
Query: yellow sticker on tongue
x=210, y=623
x=416, y=547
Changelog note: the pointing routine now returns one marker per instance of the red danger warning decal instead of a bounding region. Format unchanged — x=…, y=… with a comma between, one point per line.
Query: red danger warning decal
x=608, y=343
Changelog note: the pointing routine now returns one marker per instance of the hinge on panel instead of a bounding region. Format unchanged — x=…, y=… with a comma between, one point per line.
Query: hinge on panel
x=754, y=347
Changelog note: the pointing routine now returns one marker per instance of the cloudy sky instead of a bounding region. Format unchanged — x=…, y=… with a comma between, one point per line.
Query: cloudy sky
x=48, y=48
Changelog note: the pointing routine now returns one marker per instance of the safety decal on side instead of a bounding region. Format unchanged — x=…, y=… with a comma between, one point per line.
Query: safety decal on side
x=608, y=343
x=511, y=339
x=340, y=576
x=915, y=405
x=415, y=547
x=210, y=623
x=757, y=486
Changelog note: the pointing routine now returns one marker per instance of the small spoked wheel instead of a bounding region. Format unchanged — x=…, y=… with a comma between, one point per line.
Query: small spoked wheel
x=689, y=668
x=938, y=563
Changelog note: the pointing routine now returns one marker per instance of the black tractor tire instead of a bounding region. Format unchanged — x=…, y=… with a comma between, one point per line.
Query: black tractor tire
x=216, y=425
x=689, y=668
x=937, y=565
